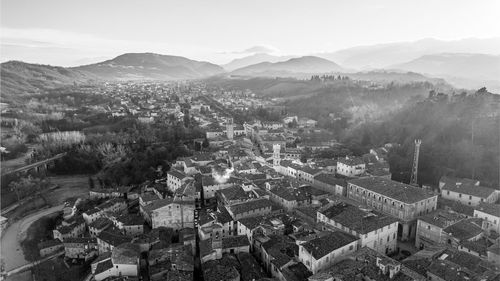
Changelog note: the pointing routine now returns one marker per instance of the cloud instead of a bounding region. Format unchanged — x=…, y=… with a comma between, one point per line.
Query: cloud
x=266, y=49
x=261, y=49
x=57, y=47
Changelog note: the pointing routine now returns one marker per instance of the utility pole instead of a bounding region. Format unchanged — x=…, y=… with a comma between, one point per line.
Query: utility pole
x=414, y=170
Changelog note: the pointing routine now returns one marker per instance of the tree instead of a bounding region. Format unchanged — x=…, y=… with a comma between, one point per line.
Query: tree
x=205, y=143
x=26, y=130
x=29, y=185
x=432, y=94
x=197, y=146
x=91, y=183
x=111, y=153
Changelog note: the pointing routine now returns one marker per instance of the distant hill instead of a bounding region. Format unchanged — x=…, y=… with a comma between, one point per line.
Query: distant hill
x=253, y=59
x=386, y=76
x=454, y=66
x=307, y=64
x=384, y=55
x=150, y=66
x=20, y=78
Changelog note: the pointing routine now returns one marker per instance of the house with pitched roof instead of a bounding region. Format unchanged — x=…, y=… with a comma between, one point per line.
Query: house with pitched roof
x=330, y=183
x=351, y=166
x=490, y=213
x=375, y=230
x=175, y=179
x=430, y=227
x=250, y=208
x=466, y=191
x=169, y=213
x=323, y=252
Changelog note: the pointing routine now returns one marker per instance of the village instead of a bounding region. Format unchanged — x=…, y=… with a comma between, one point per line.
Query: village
x=258, y=203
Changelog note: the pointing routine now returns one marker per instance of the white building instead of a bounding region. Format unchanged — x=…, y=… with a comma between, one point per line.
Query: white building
x=374, y=230
x=323, y=252
x=466, y=191
x=402, y=201
x=490, y=213
x=123, y=261
x=169, y=213
x=175, y=179
x=351, y=167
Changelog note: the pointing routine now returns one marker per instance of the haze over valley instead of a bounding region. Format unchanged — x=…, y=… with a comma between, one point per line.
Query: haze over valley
x=263, y=140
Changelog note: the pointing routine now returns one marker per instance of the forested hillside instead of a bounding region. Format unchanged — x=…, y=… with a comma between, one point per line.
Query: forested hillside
x=460, y=137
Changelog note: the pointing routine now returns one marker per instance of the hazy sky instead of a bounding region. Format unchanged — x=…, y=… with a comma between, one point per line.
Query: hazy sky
x=66, y=32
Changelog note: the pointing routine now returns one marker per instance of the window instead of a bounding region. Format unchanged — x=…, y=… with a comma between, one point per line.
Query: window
x=448, y=192
x=460, y=195
x=470, y=197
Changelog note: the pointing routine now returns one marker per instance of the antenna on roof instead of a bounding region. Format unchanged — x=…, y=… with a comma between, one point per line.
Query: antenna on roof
x=414, y=170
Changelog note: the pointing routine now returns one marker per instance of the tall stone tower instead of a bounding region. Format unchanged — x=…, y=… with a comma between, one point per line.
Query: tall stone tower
x=230, y=128
x=276, y=154
x=217, y=239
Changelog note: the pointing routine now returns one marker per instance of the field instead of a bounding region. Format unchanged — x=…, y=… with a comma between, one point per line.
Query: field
x=67, y=187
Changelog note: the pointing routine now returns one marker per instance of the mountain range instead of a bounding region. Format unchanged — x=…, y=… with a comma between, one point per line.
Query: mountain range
x=20, y=78
x=150, y=66
x=301, y=65
x=468, y=63
x=253, y=59
x=385, y=55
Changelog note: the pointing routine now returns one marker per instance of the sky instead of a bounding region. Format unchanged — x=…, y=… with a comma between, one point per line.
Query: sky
x=74, y=32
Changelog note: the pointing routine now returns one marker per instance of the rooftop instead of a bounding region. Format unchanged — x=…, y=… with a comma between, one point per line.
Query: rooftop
x=448, y=271
x=352, y=161
x=399, y=191
x=100, y=223
x=126, y=253
x=113, y=237
x=235, y=241
x=442, y=218
x=330, y=179
x=490, y=209
x=176, y=173
x=103, y=266
x=356, y=219
x=322, y=246
x=131, y=219
x=465, y=229
x=251, y=222
x=244, y=207
x=80, y=240
x=467, y=187
x=233, y=193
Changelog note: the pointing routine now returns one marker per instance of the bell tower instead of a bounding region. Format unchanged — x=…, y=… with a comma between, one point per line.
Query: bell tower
x=276, y=154
x=230, y=128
